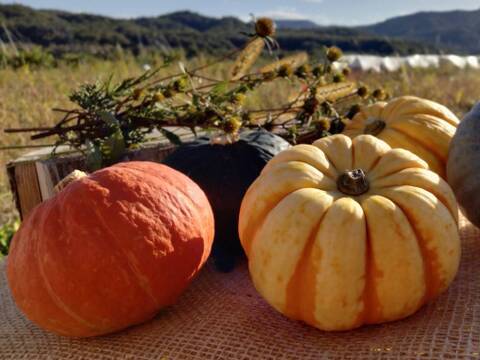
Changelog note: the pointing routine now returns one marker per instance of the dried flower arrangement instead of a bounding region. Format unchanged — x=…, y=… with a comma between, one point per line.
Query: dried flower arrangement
x=112, y=117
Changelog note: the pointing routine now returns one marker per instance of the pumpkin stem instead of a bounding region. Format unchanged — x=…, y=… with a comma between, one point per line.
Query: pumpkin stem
x=353, y=182
x=375, y=127
x=73, y=176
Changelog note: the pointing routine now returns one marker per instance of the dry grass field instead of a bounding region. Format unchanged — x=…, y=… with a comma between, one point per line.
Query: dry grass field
x=27, y=97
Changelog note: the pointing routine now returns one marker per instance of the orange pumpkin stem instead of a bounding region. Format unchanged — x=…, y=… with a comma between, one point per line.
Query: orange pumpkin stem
x=73, y=176
x=353, y=182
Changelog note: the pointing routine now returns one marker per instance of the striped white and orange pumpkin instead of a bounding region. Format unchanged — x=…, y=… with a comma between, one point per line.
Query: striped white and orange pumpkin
x=421, y=126
x=344, y=233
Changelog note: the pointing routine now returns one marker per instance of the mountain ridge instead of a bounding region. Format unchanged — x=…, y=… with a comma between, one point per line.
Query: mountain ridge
x=62, y=31
x=457, y=30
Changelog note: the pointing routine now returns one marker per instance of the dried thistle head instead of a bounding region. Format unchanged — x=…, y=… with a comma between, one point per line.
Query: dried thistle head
x=318, y=71
x=137, y=94
x=346, y=71
x=239, y=99
x=285, y=70
x=265, y=27
x=334, y=53
x=354, y=110
x=339, y=77
x=303, y=71
x=180, y=84
x=323, y=124
x=232, y=125
x=169, y=92
x=269, y=75
x=158, y=97
x=379, y=94
x=362, y=91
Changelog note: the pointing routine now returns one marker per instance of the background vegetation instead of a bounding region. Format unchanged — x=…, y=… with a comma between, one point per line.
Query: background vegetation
x=28, y=95
x=64, y=34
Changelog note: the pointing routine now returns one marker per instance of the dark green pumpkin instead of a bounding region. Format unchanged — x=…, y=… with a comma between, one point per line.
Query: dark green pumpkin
x=225, y=172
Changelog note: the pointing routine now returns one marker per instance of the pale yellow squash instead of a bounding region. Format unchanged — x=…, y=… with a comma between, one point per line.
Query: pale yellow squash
x=343, y=233
x=421, y=126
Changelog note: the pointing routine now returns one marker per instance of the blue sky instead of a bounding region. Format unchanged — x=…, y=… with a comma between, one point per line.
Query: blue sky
x=344, y=12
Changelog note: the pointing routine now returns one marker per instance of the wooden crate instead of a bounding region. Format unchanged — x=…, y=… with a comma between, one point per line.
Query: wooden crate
x=33, y=176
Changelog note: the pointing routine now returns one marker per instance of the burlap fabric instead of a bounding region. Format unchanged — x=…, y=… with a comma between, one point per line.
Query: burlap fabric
x=222, y=317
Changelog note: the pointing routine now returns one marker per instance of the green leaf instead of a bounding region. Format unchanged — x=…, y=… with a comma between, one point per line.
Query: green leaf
x=6, y=234
x=109, y=119
x=114, y=147
x=94, y=158
x=172, y=137
x=220, y=88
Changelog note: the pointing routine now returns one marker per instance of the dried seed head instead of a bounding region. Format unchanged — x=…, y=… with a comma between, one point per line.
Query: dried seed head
x=355, y=109
x=269, y=75
x=179, y=85
x=318, y=71
x=323, y=125
x=265, y=27
x=379, y=94
x=337, y=78
x=169, y=92
x=137, y=94
x=239, y=99
x=303, y=71
x=346, y=71
x=232, y=125
x=158, y=97
x=334, y=53
x=362, y=91
x=285, y=70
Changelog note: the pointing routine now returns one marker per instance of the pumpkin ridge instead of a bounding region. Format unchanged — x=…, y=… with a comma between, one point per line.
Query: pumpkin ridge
x=391, y=187
x=413, y=162
x=302, y=282
x=248, y=234
x=283, y=158
x=418, y=137
x=431, y=279
x=391, y=107
x=424, y=148
x=372, y=305
x=328, y=159
x=48, y=286
x=445, y=114
x=373, y=166
x=247, y=245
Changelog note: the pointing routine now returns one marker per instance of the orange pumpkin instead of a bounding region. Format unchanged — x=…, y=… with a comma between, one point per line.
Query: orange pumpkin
x=421, y=126
x=346, y=232
x=110, y=250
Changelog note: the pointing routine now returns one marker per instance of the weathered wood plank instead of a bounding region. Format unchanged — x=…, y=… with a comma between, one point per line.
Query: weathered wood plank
x=33, y=176
x=28, y=190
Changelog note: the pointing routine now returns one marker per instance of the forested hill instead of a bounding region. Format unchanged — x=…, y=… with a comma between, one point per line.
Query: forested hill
x=62, y=31
x=458, y=31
